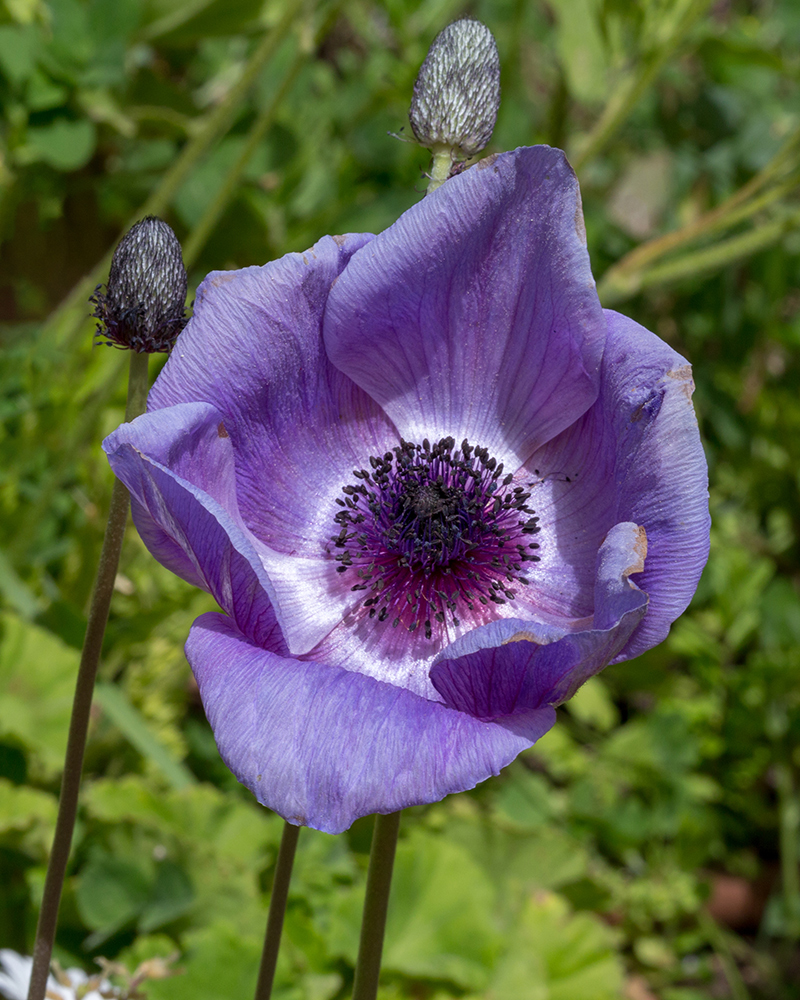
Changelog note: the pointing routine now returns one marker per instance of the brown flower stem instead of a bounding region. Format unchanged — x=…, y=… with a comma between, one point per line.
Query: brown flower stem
x=376, y=904
x=277, y=910
x=82, y=703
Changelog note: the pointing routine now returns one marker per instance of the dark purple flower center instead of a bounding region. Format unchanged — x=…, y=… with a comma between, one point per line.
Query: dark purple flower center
x=430, y=530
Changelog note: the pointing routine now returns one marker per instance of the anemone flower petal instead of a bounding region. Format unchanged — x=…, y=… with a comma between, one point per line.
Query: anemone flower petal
x=475, y=315
x=634, y=455
x=178, y=465
x=253, y=350
x=186, y=526
x=662, y=479
x=520, y=674
x=323, y=746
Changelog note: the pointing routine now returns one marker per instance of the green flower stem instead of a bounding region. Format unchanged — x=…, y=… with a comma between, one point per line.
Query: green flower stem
x=277, y=910
x=67, y=320
x=615, y=288
x=634, y=84
x=789, y=817
x=198, y=237
x=82, y=703
x=628, y=271
x=750, y=199
x=376, y=904
x=440, y=169
x=720, y=941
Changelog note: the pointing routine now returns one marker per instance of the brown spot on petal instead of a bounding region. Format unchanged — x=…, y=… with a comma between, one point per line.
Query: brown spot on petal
x=520, y=637
x=487, y=161
x=580, y=225
x=221, y=432
x=640, y=548
x=222, y=278
x=684, y=376
x=340, y=240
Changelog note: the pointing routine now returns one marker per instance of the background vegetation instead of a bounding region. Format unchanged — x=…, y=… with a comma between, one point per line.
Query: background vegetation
x=648, y=846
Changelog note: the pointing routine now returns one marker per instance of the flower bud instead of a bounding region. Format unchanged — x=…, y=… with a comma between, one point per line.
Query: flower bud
x=143, y=307
x=457, y=91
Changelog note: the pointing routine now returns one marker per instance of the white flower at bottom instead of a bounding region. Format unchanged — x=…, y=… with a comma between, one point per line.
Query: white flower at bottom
x=15, y=977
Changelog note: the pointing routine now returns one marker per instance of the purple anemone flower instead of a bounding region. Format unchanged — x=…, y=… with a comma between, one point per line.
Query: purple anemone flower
x=431, y=483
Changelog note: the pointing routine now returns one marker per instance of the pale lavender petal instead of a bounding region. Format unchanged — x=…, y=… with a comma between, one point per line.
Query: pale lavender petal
x=521, y=673
x=635, y=455
x=253, y=349
x=323, y=746
x=662, y=475
x=180, y=518
x=189, y=443
x=475, y=315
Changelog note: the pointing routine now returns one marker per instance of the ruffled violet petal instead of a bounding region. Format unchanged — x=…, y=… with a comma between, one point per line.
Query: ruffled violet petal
x=323, y=746
x=475, y=315
x=522, y=673
x=253, y=349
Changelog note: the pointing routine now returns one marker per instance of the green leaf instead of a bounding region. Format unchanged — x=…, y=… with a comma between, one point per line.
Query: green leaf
x=111, y=892
x=30, y=812
x=133, y=725
x=592, y=704
x=219, y=964
x=64, y=145
x=440, y=924
x=580, y=48
x=37, y=678
x=172, y=896
x=555, y=955
x=19, y=48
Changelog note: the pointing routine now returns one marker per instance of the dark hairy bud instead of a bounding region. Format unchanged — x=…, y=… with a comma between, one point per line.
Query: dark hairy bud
x=143, y=306
x=457, y=92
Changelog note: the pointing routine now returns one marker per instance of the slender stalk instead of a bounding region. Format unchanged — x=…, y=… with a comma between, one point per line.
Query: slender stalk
x=721, y=943
x=199, y=235
x=277, y=910
x=740, y=205
x=634, y=84
x=376, y=904
x=440, y=170
x=698, y=262
x=789, y=815
x=82, y=703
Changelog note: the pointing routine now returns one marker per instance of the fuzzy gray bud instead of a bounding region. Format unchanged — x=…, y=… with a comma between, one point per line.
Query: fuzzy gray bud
x=143, y=307
x=457, y=92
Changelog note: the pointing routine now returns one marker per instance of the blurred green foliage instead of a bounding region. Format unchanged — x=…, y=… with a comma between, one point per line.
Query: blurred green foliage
x=646, y=847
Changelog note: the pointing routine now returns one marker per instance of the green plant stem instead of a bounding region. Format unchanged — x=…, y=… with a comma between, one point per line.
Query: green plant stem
x=82, y=703
x=720, y=942
x=199, y=235
x=628, y=271
x=789, y=816
x=277, y=910
x=66, y=320
x=741, y=204
x=634, y=84
x=440, y=169
x=376, y=904
x=616, y=288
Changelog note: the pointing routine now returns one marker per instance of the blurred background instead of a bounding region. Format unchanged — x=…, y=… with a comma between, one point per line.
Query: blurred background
x=647, y=847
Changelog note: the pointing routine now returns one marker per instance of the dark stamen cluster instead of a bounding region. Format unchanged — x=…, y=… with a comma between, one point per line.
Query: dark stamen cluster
x=428, y=528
